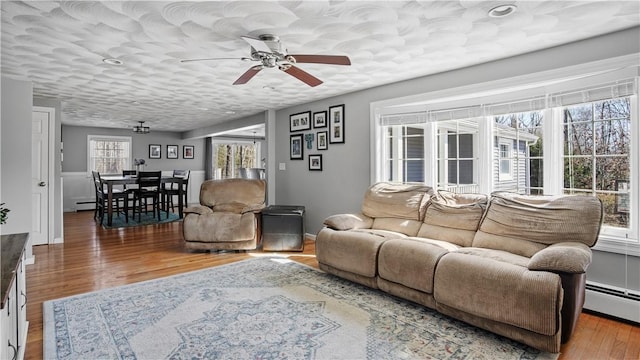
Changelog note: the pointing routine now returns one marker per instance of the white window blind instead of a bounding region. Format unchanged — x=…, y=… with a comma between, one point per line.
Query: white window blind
x=603, y=92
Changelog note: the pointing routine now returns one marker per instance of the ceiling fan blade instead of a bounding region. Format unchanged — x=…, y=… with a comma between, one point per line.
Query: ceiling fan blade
x=207, y=59
x=302, y=75
x=258, y=44
x=323, y=59
x=244, y=78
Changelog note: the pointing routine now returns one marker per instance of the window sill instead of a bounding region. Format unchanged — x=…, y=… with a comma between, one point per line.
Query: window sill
x=616, y=245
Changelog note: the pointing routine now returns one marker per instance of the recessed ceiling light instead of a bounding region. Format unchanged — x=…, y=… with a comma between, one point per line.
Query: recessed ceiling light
x=502, y=10
x=112, y=61
x=267, y=87
x=203, y=108
x=229, y=112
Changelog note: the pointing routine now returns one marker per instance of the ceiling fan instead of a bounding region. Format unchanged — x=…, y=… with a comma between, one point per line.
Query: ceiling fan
x=268, y=50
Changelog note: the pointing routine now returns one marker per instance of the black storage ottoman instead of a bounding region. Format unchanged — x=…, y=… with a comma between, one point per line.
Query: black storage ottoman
x=283, y=228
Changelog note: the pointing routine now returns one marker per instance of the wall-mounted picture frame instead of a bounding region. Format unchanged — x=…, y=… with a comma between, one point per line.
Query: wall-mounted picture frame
x=336, y=124
x=300, y=121
x=319, y=119
x=172, y=151
x=322, y=143
x=155, y=151
x=315, y=162
x=296, y=147
x=187, y=151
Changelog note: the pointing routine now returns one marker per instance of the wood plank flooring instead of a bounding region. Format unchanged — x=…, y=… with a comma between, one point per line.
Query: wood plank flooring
x=93, y=258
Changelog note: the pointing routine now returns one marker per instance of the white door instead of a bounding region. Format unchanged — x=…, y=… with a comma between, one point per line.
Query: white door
x=40, y=178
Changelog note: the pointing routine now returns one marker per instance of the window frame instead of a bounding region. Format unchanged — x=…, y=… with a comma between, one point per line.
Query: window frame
x=91, y=138
x=546, y=84
x=216, y=142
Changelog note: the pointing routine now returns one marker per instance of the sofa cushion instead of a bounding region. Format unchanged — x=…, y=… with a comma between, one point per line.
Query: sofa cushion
x=453, y=217
x=354, y=251
x=411, y=262
x=526, y=224
x=232, y=194
x=219, y=227
x=404, y=226
x=394, y=200
x=499, y=291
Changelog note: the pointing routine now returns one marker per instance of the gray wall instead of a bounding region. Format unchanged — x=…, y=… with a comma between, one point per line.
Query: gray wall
x=75, y=148
x=16, y=181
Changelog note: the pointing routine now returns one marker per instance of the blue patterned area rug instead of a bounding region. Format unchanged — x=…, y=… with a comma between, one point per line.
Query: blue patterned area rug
x=119, y=220
x=263, y=308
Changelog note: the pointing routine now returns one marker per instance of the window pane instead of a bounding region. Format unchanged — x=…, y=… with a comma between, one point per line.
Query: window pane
x=109, y=155
x=597, y=155
x=414, y=170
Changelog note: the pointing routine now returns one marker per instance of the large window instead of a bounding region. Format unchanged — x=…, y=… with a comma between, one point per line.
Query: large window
x=231, y=156
x=552, y=144
x=108, y=154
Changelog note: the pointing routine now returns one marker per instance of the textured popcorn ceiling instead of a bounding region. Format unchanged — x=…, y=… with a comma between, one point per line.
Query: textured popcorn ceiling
x=59, y=46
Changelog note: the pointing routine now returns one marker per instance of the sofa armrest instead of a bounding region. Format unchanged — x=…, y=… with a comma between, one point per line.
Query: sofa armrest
x=198, y=209
x=567, y=257
x=348, y=221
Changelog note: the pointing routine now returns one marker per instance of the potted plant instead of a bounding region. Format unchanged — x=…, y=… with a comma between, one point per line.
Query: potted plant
x=3, y=213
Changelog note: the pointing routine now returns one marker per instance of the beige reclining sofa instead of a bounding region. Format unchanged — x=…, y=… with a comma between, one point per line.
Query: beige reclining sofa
x=511, y=264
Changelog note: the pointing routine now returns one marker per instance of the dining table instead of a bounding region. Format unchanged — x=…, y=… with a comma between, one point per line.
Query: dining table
x=110, y=180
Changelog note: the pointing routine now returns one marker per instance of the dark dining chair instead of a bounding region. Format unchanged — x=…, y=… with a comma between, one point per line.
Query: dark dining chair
x=171, y=189
x=102, y=199
x=148, y=188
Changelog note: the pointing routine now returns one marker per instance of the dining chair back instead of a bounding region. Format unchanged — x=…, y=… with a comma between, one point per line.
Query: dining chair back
x=102, y=198
x=148, y=188
x=171, y=189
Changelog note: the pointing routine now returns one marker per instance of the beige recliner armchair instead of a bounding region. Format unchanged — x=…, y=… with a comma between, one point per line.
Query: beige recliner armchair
x=228, y=215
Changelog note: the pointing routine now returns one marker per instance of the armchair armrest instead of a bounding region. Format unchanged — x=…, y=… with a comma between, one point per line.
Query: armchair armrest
x=198, y=209
x=568, y=257
x=348, y=221
x=256, y=208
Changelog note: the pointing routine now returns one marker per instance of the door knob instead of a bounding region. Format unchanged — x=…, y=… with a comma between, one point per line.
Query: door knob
x=42, y=184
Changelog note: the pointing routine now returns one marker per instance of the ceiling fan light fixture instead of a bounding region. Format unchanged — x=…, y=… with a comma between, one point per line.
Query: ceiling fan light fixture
x=112, y=61
x=502, y=10
x=141, y=129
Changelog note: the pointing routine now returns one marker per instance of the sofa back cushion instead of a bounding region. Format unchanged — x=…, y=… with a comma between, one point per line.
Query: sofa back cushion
x=525, y=224
x=404, y=226
x=394, y=200
x=453, y=217
x=232, y=195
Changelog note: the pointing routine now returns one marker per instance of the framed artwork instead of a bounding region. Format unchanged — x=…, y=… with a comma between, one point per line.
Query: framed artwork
x=300, y=121
x=322, y=142
x=155, y=151
x=315, y=162
x=336, y=124
x=319, y=119
x=172, y=151
x=296, y=147
x=187, y=151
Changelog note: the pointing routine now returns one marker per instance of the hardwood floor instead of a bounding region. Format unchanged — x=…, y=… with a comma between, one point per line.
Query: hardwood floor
x=93, y=258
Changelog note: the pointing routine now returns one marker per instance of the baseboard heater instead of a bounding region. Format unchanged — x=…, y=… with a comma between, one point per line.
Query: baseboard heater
x=85, y=205
x=610, y=300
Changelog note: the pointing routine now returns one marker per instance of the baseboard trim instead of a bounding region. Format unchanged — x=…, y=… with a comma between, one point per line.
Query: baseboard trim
x=616, y=306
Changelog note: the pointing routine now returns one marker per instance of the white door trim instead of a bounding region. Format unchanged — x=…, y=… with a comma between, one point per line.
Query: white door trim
x=51, y=177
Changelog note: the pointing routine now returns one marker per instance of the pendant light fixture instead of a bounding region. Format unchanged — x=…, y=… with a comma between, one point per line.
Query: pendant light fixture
x=141, y=129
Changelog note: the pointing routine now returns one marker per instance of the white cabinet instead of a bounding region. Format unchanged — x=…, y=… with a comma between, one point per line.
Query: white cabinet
x=13, y=314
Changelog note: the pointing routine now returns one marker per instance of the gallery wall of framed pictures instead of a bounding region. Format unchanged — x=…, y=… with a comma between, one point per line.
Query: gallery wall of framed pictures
x=171, y=151
x=315, y=131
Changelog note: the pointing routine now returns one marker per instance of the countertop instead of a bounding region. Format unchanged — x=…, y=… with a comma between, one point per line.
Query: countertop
x=12, y=248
